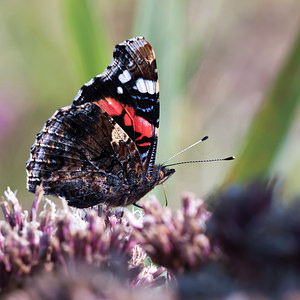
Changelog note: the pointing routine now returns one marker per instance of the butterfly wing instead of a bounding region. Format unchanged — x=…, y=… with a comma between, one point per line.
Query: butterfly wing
x=128, y=90
x=101, y=149
x=83, y=155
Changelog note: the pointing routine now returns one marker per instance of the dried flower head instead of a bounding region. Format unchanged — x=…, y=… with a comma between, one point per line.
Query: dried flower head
x=58, y=237
x=259, y=238
x=176, y=240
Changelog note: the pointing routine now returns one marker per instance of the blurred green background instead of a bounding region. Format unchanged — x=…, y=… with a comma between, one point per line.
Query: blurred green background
x=228, y=69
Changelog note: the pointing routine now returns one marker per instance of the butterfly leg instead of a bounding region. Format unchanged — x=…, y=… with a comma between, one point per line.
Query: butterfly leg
x=137, y=205
x=124, y=199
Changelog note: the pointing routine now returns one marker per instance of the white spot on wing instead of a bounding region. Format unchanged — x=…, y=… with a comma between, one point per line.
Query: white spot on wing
x=141, y=86
x=150, y=86
x=130, y=63
x=125, y=76
x=119, y=90
x=146, y=86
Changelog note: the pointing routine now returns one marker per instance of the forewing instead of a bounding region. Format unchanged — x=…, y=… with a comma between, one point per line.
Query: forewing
x=128, y=90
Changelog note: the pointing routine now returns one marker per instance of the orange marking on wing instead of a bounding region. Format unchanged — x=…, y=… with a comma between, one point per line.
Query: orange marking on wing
x=139, y=124
x=110, y=105
x=144, y=144
x=142, y=126
x=129, y=116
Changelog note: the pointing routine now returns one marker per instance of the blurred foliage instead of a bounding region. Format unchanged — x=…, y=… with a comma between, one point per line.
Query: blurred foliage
x=87, y=37
x=272, y=122
x=216, y=62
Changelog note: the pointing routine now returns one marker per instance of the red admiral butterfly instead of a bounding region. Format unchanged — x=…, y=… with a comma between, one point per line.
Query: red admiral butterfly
x=101, y=148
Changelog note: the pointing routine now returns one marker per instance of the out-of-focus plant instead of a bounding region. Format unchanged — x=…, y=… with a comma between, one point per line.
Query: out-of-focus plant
x=60, y=239
x=248, y=245
x=271, y=123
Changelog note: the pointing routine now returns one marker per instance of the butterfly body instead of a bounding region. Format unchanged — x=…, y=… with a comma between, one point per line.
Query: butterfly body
x=102, y=148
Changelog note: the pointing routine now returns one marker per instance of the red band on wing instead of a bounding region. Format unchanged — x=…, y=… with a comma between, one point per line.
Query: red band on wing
x=129, y=116
x=146, y=144
x=140, y=125
x=111, y=106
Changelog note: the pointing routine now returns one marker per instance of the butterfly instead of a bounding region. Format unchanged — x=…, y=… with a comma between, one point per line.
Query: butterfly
x=101, y=149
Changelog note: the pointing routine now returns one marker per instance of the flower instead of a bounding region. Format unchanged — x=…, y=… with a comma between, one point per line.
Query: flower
x=58, y=238
x=257, y=235
x=176, y=241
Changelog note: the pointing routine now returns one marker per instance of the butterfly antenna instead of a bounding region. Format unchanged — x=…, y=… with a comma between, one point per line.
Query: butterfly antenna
x=201, y=161
x=202, y=140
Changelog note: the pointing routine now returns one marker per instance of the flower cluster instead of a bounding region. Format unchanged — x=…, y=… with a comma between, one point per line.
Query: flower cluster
x=60, y=238
x=254, y=234
x=259, y=237
x=247, y=248
x=176, y=240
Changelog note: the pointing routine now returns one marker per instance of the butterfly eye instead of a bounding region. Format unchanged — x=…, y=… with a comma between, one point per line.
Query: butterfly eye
x=161, y=175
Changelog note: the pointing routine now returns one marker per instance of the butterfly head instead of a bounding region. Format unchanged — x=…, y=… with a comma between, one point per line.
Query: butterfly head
x=162, y=173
